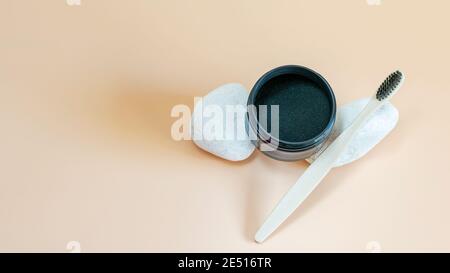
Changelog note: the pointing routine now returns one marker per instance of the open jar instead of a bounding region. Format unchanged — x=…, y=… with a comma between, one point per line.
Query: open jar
x=291, y=113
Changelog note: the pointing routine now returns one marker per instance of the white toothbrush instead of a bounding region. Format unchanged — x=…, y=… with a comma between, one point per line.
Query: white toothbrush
x=324, y=163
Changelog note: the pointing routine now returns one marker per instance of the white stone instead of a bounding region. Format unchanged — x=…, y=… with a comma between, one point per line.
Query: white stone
x=380, y=124
x=236, y=148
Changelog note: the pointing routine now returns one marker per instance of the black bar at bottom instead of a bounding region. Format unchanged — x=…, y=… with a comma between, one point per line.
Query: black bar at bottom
x=224, y=262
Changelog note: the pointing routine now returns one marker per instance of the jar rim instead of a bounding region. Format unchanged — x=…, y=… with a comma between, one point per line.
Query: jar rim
x=290, y=146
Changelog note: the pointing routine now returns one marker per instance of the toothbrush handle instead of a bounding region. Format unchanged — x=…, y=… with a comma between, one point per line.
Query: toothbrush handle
x=313, y=175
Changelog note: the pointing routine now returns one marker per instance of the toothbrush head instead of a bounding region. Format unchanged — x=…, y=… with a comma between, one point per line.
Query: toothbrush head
x=390, y=86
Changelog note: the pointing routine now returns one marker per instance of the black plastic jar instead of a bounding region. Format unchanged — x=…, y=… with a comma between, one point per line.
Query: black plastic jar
x=306, y=112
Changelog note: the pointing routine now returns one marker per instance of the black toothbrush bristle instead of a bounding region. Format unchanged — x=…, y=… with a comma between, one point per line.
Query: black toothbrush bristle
x=389, y=85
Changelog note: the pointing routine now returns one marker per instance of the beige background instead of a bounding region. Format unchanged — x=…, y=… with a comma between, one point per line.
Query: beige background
x=85, y=147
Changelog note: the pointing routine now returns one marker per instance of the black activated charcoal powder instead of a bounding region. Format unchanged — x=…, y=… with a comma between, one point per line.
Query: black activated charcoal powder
x=305, y=108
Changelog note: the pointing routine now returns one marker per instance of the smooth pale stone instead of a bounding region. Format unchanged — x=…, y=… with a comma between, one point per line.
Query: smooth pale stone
x=235, y=148
x=380, y=124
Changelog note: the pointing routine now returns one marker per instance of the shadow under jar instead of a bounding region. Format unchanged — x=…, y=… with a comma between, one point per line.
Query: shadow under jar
x=305, y=118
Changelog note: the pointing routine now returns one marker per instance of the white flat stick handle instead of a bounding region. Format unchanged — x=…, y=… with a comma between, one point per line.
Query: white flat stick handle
x=313, y=175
